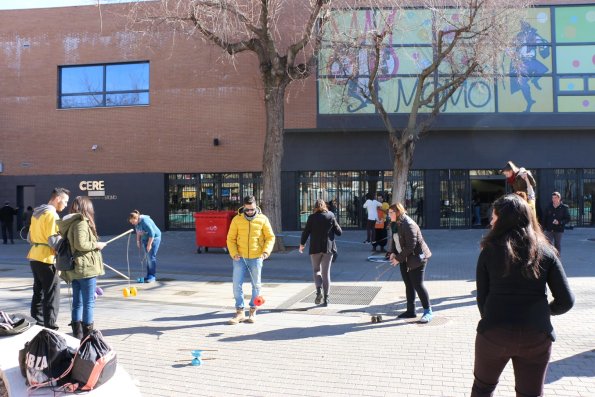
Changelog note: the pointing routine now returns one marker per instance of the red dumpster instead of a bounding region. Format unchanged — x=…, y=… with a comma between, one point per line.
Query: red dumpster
x=212, y=228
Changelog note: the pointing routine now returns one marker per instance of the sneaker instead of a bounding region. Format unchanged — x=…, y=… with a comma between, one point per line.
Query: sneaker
x=318, y=299
x=149, y=280
x=407, y=315
x=427, y=317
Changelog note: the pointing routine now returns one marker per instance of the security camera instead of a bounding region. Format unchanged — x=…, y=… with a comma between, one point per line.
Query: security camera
x=94, y=147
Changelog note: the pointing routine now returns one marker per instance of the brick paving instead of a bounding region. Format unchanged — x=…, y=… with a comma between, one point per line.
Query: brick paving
x=297, y=349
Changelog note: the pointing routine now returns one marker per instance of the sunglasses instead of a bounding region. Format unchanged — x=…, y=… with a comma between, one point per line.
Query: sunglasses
x=249, y=209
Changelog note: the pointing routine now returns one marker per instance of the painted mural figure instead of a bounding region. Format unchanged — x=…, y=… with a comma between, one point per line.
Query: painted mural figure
x=530, y=69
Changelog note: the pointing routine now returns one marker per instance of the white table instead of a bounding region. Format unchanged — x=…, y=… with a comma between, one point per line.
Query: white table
x=119, y=384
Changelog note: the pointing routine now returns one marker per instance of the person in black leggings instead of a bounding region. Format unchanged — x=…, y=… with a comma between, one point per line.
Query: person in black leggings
x=411, y=251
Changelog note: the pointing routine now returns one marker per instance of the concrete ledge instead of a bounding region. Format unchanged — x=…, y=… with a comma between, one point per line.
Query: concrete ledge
x=119, y=384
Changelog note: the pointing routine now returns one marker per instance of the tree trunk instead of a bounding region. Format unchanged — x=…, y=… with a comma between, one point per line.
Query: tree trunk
x=271, y=162
x=403, y=156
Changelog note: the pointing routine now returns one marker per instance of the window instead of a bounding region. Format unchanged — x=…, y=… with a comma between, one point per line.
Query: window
x=89, y=86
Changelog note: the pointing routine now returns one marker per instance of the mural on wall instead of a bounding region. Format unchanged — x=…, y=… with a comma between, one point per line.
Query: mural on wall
x=554, y=74
x=530, y=69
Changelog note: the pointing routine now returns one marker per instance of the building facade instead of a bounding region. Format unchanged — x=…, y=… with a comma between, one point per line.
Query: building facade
x=169, y=128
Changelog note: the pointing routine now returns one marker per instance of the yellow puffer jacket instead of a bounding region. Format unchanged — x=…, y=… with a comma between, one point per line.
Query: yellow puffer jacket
x=250, y=239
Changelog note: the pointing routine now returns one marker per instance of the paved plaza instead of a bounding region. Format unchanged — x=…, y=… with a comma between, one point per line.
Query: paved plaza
x=298, y=349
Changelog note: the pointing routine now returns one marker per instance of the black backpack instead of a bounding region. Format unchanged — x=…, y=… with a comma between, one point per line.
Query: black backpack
x=94, y=364
x=64, y=257
x=46, y=360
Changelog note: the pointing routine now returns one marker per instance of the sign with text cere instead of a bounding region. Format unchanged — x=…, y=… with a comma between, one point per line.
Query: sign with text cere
x=96, y=190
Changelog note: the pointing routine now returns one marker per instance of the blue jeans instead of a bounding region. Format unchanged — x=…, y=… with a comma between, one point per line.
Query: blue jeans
x=240, y=268
x=83, y=299
x=152, y=257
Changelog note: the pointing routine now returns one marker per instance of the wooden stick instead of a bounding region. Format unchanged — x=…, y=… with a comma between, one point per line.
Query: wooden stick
x=202, y=350
x=115, y=271
x=118, y=236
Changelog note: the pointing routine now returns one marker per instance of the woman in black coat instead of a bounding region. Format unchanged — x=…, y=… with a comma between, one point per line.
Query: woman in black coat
x=515, y=265
x=322, y=226
x=411, y=251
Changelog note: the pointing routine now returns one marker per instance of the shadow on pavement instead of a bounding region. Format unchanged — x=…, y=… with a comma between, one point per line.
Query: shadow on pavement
x=294, y=333
x=579, y=365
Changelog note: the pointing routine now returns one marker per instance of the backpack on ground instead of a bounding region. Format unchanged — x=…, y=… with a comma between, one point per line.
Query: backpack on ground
x=13, y=324
x=64, y=257
x=46, y=359
x=94, y=364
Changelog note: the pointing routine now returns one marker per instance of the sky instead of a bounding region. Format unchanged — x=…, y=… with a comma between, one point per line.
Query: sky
x=21, y=4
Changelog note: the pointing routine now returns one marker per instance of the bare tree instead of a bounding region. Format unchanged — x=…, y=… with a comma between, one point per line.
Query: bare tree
x=469, y=40
x=284, y=35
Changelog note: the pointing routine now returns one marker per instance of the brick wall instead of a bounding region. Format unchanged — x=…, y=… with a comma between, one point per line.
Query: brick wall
x=195, y=96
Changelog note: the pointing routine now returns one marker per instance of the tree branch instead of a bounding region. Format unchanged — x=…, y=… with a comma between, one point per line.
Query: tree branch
x=230, y=48
x=307, y=34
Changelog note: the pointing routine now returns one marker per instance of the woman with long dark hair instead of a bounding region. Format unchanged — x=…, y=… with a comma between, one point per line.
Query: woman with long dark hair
x=515, y=265
x=411, y=251
x=322, y=226
x=80, y=230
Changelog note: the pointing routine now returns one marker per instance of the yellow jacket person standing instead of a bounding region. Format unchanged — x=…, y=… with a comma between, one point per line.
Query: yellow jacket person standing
x=45, y=302
x=250, y=240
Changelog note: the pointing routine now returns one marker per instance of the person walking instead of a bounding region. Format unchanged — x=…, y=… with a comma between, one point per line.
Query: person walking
x=411, y=251
x=555, y=219
x=45, y=303
x=80, y=230
x=250, y=240
x=149, y=235
x=321, y=226
x=7, y=214
x=514, y=267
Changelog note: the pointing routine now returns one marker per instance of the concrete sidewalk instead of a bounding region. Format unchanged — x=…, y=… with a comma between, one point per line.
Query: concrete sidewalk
x=298, y=349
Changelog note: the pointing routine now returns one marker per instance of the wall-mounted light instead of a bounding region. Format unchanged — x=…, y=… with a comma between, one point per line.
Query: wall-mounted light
x=216, y=142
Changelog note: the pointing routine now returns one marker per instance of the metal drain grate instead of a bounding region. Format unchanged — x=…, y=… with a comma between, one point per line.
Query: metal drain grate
x=185, y=293
x=348, y=295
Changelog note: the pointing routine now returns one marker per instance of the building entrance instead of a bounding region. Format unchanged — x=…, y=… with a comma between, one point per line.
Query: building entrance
x=486, y=186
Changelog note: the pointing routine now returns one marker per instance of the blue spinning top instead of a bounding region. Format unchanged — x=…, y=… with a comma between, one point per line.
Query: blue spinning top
x=196, y=361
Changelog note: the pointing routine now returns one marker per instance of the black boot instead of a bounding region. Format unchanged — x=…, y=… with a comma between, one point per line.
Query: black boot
x=77, y=329
x=87, y=328
x=318, y=296
x=325, y=301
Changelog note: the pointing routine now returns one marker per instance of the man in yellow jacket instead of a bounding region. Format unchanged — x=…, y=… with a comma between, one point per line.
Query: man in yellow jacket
x=250, y=240
x=45, y=302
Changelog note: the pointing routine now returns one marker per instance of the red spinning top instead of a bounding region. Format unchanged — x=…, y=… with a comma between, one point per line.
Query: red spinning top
x=259, y=300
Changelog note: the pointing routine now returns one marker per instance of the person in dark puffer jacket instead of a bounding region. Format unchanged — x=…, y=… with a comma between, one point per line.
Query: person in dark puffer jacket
x=515, y=267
